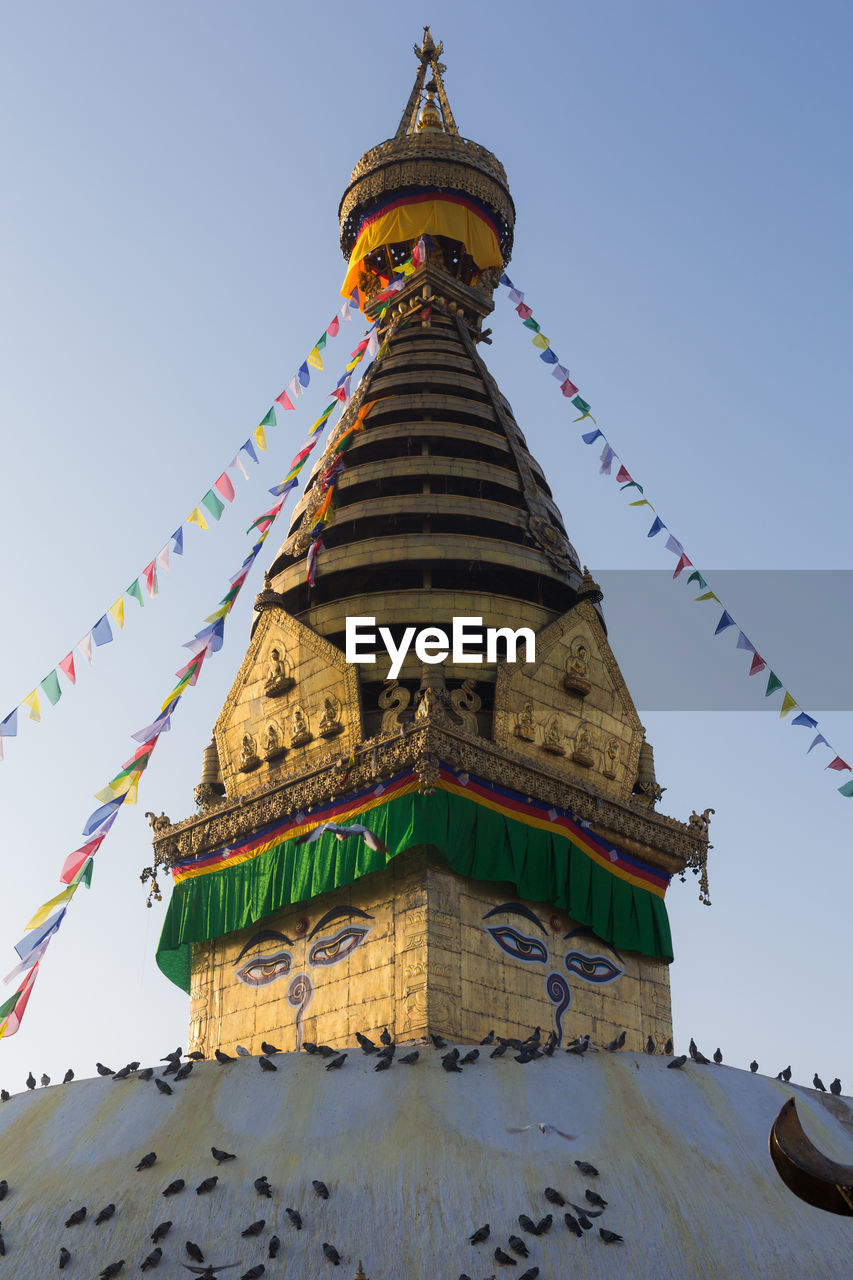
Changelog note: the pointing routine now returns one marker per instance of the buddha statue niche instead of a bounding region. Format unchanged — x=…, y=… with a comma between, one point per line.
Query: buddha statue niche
x=249, y=758
x=576, y=679
x=582, y=753
x=611, y=758
x=277, y=681
x=300, y=734
x=553, y=740
x=272, y=745
x=525, y=727
x=330, y=723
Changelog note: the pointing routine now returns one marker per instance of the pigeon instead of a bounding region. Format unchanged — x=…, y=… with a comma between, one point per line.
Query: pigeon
x=2, y=1247
x=255, y=1229
x=174, y=1056
x=499, y=1051
x=438, y=1042
x=4, y=1187
x=786, y=1074
x=263, y=1187
x=221, y=1156
x=221, y=1057
x=269, y=1049
x=254, y=1273
x=650, y=1045
x=145, y=1074
x=410, y=1058
x=668, y=1048
x=5, y=1095
x=450, y=1065
x=184, y=1071
x=518, y=1246
x=383, y=1064
x=489, y=1039
x=835, y=1087
x=193, y=1251
x=112, y=1270
x=573, y=1224
x=718, y=1056
x=174, y=1187
x=45, y=1080
x=618, y=1043
x=105, y=1214
x=753, y=1066
x=196, y=1055
x=326, y=1051
x=452, y=1056
x=530, y=1274
x=583, y=1217
x=102, y=1070
x=527, y=1224
x=147, y=1161
x=76, y=1218
x=152, y=1260
x=580, y=1047
x=275, y=1245
x=207, y=1185
x=336, y=1063
x=320, y=1189
x=367, y=1045
x=692, y=1048
x=504, y=1259
x=161, y=1231
x=31, y=1081
x=553, y=1196
x=171, y=1070
x=162, y=1086
x=609, y=1237
x=129, y=1068
x=266, y=1065
x=243, y=1051
x=594, y=1198
x=295, y=1217
x=677, y=1063
x=543, y=1225
x=818, y=1083
x=332, y=1254
x=547, y=1129
x=385, y=1037
x=588, y=1170
x=64, y=1258
x=470, y=1057
x=535, y=1036
x=551, y=1045
x=310, y=1047
x=701, y=1059
x=524, y=1057
x=481, y=1234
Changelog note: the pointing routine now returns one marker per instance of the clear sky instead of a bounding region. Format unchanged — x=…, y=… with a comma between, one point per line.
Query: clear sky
x=169, y=254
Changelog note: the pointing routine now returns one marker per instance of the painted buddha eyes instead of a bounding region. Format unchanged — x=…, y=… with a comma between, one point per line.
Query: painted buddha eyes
x=262, y=970
x=518, y=945
x=596, y=969
x=331, y=950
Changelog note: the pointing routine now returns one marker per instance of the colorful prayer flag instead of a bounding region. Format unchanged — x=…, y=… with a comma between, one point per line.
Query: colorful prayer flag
x=195, y=517
x=788, y=704
x=819, y=740
x=622, y=475
x=9, y=726
x=224, y=486
x=773, y=683
x=52, y=691
x=315, y=359
x=607, y=456
x=47, y=907
x=101, y=632
x=682, y=564
x=12, y=1012
x=213, y=504
x=250, y=450
x=725, y=622
x=268, y=420
x=541, y=342
x=840, y=765
x=743, y=643
x=178, y=538
x=261, y=439
x=805, y=721
x=284, y=400
x=135, y=590
x=657, y=525
x=149, y=573
x=32, y=701
x=116, y=612
x=589, y=437
x=78, y=858
x=757, y=664
x=697, y=578
x=709, y=595
x=85, y=647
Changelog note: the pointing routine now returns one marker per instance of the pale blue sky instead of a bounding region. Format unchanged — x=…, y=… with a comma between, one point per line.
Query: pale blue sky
x=168, y=255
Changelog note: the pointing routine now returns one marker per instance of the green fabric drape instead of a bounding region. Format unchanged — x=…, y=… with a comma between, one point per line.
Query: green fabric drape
x=475, y=841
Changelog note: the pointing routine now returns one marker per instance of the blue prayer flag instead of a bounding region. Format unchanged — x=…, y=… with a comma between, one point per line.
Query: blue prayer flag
x=803, y=719
x=304, y=374
x=101, y=633
x=725, y=621
x=178, y=541
x=657, y=525
x=549, y=356
x=9, y=726
x=590, y=436
x=250, y=449
x=102, y=815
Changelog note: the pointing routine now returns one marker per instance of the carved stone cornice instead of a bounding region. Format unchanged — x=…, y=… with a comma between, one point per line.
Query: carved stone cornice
x=664, y=842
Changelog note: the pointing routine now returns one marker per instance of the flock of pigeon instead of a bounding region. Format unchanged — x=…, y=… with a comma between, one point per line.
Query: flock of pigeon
x=578, y=1218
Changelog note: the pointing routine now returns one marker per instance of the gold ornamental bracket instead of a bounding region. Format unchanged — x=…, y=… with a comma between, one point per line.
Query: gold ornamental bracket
x=805, y=1170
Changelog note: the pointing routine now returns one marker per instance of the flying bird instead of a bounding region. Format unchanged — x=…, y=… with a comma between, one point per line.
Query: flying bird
x=112, y=1270
x=818, y=1083
x=295, y=1217
x=76, y=1217
x=102, y=1070
x=105, y=1214
x=212, y=1269
x=255, y=1229
x=64, y=1258
x=207, y=1185
x=152, y=1260
x=31, y=1081
x=221, y=1156
x=753, y=1066
x=589, y=1170
x=518, y=1246
x=410, y=1058
x=609, y=1237
x=147, y=1161
x=174, y=1187
x=159, y=1233
x=583, y=1217
x=553, y=1196
x=332, y=1254
x=835, y=1087
x=336, y=1063
x=193, y=1251
x=545, y=1128
x=266, y=1065
x=221, y=1057
x=504, y=1259
x=342, y=833
x=481, y=1234
x=269, y=1049
x=320, y=1189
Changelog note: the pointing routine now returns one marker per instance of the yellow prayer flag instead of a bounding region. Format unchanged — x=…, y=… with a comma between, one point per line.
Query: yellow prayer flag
x=788, y=704
x=315, y=359
x=709, y=595
x=641, y=502
x=195, y=517
x=260, y=438
x=32, y=701
x=48, y=908
x=117, y=612
x=540, y=341
x=119, y=787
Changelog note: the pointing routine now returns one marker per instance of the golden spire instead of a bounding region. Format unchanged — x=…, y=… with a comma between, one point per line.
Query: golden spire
x=428, y=55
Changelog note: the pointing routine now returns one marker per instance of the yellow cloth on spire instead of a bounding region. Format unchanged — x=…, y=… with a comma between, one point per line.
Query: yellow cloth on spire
x=442, y=216
x=48, y=908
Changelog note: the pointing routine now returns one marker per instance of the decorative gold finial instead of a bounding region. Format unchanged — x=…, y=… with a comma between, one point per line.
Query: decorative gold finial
x=359, y=1275
x=429, y=119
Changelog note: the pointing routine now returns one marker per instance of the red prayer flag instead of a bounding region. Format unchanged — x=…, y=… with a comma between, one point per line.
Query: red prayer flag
x=284, y=400
x=524, y=311
x=333, y=328
x=75, y=860
x=682, y=564
x=622, y=476
x=225, y=487
x=568, y=388
x=839, y=764
x=148, y=573
x=67, y=666
x=758, y=664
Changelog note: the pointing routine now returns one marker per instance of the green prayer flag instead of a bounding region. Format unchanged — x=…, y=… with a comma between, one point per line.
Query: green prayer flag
x=847, y=789
x=632, y=484
x=8, y=1005
x=530, y=323
x=50, y=684
x=697, y=577
x=214, y=506
x=320, y=343
x=84, y=875
x=269, y=420
x=231, y=595
x=580, y=403
x=135, y=590
x=773, y=684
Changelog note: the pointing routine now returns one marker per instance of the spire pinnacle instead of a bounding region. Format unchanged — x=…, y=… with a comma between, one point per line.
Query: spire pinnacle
x=428, y=54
